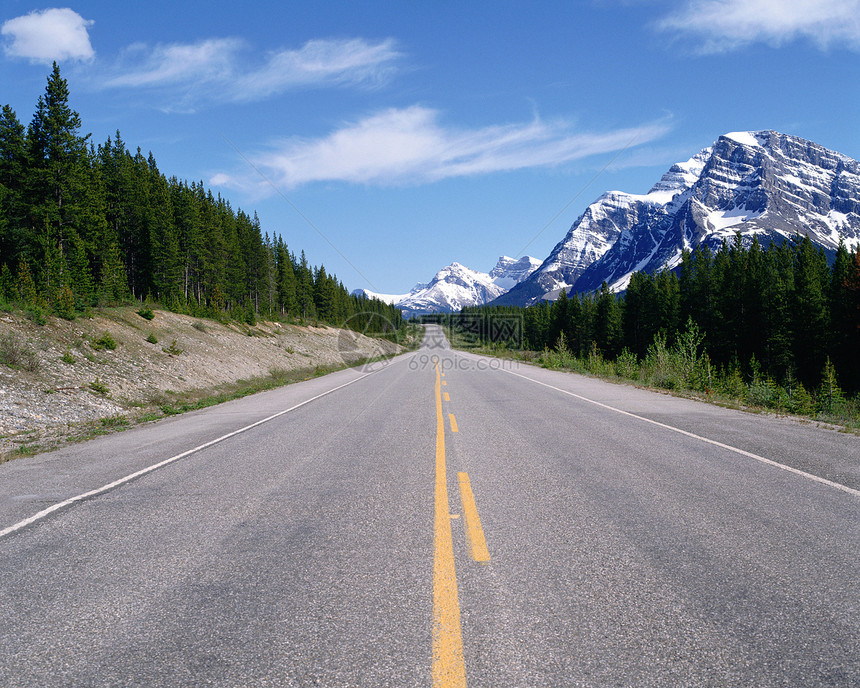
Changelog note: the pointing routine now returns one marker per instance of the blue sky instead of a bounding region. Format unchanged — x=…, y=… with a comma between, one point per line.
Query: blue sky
x=390, y=139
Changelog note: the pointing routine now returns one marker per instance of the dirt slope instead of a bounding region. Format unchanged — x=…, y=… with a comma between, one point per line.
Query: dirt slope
x=61, y=380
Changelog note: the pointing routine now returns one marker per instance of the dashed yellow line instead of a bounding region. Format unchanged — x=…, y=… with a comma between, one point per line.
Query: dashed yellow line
x=474, y=532
x=446, y=397
x=453, y=420
x=449, y=668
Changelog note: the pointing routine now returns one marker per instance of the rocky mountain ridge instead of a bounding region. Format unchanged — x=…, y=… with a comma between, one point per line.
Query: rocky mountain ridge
x=761, y=183
x=456, y=286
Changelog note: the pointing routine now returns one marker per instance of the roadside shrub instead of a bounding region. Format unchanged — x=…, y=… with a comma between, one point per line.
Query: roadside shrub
x=801, y=401
x=764, y=393
x=106, y=341
x=36, y=314
x=98, y=387
x=659, y=367
x=627, y=365
x=152, y=339
x=732, y=384
x=173, y=349
x=830, y=396
x=64, y=303
x=68, y=358
x=146, y=313
x=16, y=354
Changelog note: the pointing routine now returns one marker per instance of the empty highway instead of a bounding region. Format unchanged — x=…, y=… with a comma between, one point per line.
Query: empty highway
x=439, y=520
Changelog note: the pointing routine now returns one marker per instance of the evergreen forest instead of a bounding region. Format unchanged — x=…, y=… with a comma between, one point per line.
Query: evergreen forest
x=85, y=224
x=783, y=319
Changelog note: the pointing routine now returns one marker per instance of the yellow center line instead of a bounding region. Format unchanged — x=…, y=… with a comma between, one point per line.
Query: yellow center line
x=453, y=420
x=449, y=668
x=474, y=532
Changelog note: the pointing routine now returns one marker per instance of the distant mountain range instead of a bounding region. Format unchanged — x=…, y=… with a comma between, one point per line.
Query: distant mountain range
x=455, y=287
x=760, y=183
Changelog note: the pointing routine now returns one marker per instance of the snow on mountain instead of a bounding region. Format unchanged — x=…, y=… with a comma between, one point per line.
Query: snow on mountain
x=759, y=183
x=510, y=271
x=455, y=287
x=452, y=288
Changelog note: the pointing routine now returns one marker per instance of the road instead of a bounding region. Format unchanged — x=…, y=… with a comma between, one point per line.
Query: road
x=442, y=520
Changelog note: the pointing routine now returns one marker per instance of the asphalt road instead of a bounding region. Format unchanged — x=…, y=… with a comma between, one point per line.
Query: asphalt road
x=331, y=533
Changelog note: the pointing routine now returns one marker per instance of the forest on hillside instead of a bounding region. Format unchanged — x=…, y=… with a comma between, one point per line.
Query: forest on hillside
x=782, y=316
x=84, y=225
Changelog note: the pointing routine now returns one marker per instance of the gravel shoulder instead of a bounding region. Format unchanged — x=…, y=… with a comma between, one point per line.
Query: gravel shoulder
x=63, y=382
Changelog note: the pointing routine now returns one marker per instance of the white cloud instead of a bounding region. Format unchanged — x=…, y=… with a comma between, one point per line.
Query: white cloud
x=409, y=146
x=729, y=24
x=178, y=64
x=319, y=62
x=214, y=69
x=48, y=35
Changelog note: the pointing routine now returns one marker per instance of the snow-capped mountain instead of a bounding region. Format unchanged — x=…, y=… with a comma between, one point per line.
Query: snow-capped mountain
x=509, y=271
x=759, y=183
x=455, y=287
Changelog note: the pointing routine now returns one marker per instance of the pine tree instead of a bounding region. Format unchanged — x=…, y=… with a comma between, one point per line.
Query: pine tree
x=776, y=329
x=286, y=280
x=56, y=178
x=608, y=323
x=842, y=320
x=305, y=289
x=165, y=259
x=809, y=309
x=558, y=318
x=323, y=292
x=12, y=162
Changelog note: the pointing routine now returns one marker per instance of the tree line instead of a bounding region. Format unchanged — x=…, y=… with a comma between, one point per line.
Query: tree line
x=83, y=225
x=784, y=311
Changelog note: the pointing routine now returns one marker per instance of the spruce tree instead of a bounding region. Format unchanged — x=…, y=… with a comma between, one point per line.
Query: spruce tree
x=55, y=180
x=608, y=323
x=12, y=166
x=809, y=309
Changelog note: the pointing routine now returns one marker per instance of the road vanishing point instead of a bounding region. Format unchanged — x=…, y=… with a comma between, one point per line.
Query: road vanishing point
x=441, y=519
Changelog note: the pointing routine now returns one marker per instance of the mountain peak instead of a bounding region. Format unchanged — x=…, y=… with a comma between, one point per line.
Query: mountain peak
x=761, y=183
x=456, y=286
x=749, y=138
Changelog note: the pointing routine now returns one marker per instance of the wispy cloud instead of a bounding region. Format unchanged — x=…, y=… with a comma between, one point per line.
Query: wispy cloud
x=320, y=62
x=218, y=69
x=48, y=35
x=409, y=146
x=723, y=25
x=204, y=62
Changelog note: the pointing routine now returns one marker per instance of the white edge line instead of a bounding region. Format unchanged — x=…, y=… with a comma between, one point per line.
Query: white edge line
x=742, y=452
x=121, y=481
